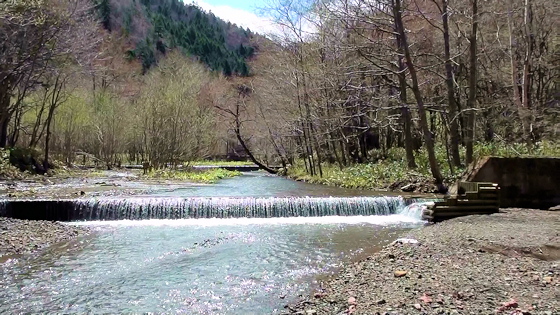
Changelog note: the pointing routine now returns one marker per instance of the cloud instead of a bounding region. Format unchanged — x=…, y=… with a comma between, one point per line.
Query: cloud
x=241, y=17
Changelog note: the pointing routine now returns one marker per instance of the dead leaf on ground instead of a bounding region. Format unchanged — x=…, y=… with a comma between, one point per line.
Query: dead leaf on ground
x=506, y=305
x=426, y=298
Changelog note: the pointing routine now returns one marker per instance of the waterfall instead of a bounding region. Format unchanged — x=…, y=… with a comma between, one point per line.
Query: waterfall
x=143, y=208
x=196, y=208
x=415, y=207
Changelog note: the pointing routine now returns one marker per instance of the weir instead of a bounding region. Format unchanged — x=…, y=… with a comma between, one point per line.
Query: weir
x=143, y=208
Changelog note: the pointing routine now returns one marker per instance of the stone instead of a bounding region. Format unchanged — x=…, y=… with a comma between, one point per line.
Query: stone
x=319, y=295
x=408, y=188
x=400, y=273
x=556, y=208
x=426, y=298
x=406, y=241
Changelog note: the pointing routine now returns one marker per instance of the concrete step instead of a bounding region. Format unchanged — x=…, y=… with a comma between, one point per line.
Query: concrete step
x=487, y=184
x=490, y=188
x=464, y=209
x=476, y=202
x=453, y=214
x=486, y=196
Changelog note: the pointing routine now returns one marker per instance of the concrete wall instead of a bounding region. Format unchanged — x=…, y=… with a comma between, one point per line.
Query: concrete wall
x=49, y=210
x=524, y=182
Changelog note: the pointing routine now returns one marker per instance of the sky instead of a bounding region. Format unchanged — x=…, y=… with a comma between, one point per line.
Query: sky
x=241, y=12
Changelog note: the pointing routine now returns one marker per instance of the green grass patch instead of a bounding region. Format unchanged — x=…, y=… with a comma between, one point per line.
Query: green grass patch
x=199, y=176
x=373, y=176
x=222, y=163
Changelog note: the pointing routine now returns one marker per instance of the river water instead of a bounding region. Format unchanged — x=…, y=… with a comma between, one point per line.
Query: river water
x=259, y=184
x=233, y=265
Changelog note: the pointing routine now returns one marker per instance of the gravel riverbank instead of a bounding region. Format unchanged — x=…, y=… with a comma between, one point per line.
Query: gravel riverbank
x=506, y=263
x=19, y=237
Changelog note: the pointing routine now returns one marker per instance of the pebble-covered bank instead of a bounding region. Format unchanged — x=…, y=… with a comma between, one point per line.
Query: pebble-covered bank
x=21, y=236
x=506, y=263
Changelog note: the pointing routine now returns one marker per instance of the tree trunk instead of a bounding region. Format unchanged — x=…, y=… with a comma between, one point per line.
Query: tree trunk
x=472, y=84
x=434, y=167
x=405, y=111
x=14, y=134
x=50, y=116
x=4, y=115
x=453, y=117
x=517, y=96
x=527, y=65
x=244, y=145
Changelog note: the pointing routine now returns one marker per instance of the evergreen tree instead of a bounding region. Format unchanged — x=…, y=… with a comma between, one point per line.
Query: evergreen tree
x=219, y=44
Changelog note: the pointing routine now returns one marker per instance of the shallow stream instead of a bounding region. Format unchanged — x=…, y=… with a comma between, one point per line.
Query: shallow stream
x=198, y=266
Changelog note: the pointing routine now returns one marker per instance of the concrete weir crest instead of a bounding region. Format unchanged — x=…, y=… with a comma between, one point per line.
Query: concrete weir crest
x=138, y=208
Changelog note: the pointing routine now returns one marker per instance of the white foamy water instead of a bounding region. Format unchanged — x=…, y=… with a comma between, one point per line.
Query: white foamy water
x=374, y=220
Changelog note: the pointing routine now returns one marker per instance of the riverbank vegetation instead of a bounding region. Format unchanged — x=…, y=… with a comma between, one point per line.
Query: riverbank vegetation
x=352, y=93
x=200, y=176
x=390, y=171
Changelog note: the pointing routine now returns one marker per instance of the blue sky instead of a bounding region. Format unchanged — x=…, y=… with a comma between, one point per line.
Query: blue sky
x=247, y=5
x=243, y=13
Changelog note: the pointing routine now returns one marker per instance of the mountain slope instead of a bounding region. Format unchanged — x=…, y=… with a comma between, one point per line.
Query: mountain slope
x=155, y=26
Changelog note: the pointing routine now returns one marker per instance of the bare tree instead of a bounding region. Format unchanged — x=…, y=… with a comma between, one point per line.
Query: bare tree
x=472, y=83
x=397, y=11
x=38, y=36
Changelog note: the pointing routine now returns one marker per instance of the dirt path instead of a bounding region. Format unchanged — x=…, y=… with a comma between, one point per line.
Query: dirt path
x=506, y=263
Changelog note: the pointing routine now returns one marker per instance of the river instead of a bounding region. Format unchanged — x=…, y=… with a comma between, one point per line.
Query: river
x=234, y=264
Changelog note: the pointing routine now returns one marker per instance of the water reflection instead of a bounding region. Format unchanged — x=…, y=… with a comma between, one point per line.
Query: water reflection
x=260, y=184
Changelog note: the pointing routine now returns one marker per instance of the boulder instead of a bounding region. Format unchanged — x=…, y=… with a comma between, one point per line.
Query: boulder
x=408, y=188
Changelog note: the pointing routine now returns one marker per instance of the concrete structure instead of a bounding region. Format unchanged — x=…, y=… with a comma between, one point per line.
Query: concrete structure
x=524, y=182
x=469, y=198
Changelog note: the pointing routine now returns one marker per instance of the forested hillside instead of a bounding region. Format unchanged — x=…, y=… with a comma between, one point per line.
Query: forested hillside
x=387, y=87
x=117, y=81
x=156, y=26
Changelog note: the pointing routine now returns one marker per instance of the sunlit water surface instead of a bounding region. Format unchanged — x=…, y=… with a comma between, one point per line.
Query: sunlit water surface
x=204, y=266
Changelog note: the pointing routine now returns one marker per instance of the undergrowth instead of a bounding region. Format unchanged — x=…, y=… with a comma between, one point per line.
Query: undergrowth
x=393, y=168
x=7, y=170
